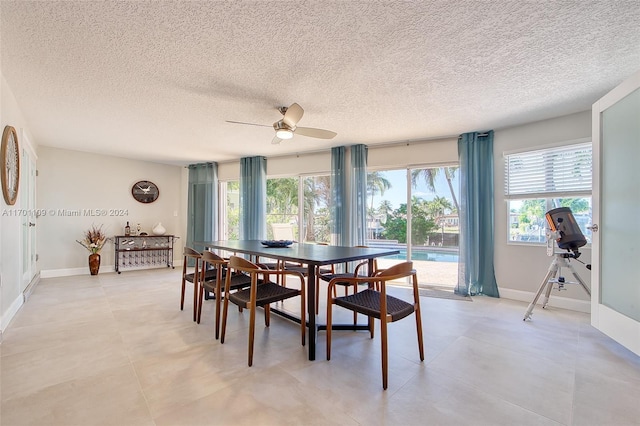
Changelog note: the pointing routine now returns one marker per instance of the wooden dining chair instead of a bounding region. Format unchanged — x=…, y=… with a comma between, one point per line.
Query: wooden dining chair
x=195, y=275
x=190, y=256
x=285, y=231
x=213, y=262
x=359, y=270
x=377, y=304
x=262, y=292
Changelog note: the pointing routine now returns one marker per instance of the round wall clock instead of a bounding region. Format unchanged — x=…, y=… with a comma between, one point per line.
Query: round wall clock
x=10, y=157
x=145, y=191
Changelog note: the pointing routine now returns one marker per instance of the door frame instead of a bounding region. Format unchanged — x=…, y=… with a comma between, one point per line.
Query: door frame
x=28, y=235
x=619, y=327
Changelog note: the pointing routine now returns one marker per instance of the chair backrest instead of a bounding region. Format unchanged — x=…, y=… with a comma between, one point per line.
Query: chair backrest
x=282, y=231
x=188, y=252
x=212, y=258
x=242, y=264
x=401, y=270
x=191, y=259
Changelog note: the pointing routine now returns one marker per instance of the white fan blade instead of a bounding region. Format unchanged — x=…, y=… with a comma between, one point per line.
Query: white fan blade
x=315, y=133
x=249, y=124
x=293, y=115
x=276, y=140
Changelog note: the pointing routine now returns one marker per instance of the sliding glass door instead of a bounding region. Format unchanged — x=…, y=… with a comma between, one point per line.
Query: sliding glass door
x=435, y=230
x=317, y=194
x=282, y=208
x=415, y=210
x=229, y=210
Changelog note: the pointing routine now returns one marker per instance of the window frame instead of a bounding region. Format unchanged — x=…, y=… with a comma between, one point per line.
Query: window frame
x=548, y=196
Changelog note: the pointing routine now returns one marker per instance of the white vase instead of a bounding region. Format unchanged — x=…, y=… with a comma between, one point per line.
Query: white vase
x=159, y=229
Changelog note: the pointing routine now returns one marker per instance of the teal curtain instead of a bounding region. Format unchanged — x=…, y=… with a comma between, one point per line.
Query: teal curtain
x=253, y=198
x=339, y=218
x=359, y=195
x=202, y=209
x=476, y=273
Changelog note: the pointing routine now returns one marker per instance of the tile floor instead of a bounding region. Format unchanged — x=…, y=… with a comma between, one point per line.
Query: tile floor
x=116, y=350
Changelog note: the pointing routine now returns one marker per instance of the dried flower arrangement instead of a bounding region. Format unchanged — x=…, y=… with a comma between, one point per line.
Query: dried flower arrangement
x=94, y=239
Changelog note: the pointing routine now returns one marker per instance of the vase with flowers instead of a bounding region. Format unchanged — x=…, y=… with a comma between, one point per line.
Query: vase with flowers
x=94, y=240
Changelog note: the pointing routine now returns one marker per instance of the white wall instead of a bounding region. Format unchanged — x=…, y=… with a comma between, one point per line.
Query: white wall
x=10, y=224
x=287, y=165
x=520, y=269
x=81, y=182
x=440, y=151
x=416, y=153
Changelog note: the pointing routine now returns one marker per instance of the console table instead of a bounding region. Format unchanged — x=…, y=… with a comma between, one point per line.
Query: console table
x=143, y=251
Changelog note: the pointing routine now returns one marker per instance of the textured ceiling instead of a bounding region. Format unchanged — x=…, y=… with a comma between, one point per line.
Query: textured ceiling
x=157, y=80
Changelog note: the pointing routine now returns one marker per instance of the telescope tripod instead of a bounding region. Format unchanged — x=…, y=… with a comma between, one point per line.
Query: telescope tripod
x=553, y=277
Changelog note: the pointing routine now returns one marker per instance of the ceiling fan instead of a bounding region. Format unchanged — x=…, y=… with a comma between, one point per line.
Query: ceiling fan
x=288, y=125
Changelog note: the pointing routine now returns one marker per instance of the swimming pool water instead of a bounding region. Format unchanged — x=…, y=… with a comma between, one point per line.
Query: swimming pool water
x=431, y=256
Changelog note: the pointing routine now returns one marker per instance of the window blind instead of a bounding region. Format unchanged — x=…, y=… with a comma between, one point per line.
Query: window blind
x=553, y=172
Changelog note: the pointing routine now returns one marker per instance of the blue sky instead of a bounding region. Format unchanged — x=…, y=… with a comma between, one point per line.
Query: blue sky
x=397, y=194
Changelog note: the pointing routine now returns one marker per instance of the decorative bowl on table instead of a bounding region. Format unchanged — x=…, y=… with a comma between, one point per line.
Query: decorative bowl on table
x=277, y=243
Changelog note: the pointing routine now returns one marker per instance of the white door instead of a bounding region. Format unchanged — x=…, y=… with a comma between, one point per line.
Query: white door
x=28, y=205
x=615, y=296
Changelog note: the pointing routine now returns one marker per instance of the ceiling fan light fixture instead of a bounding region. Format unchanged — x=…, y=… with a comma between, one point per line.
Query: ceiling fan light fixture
x=286, y=127
x=284, y=133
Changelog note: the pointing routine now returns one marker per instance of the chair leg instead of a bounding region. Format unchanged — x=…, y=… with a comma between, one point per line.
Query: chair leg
x=329, y=312
x=184, y=271
x=317, y=293
x=200, y=297
x=252, y=330
x=416, y=297
x=196, y=291
x=224, y=319
x=385, y=357
x=184, y=285
x=346, y=293
x=218, y=297
x=267, y=315
x=303, y=321
x=420, y=339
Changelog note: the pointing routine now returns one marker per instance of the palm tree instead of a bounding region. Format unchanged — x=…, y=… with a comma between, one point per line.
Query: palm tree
x=439, y=206
x=317, y=192
x=376, y=182
x=385, y=208
x=429, y=176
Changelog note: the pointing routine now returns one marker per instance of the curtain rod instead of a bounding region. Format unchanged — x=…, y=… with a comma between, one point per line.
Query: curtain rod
x=479, y=135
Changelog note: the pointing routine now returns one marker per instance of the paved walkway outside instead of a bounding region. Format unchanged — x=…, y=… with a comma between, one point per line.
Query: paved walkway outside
x=441, y=274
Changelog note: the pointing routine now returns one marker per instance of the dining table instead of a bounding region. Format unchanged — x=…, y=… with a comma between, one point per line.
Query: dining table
x=312, y=255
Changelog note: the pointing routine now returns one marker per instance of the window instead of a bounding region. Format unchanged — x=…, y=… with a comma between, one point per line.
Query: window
x=229, y=210
x=541, y=180
x=426, y=230
x=317, y=195
x=283, y=207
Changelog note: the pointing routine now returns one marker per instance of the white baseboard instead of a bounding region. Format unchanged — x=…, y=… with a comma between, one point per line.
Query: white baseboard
x=67, y=272
x=554, y=301
x=32, y=286
x=11, y=312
